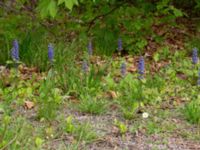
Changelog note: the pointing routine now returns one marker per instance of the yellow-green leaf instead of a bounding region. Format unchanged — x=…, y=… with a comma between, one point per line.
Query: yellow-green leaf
x=52, y=8
x=60, y=2
x=69, y=4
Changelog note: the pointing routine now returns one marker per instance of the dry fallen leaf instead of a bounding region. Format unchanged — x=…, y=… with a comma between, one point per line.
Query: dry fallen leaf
x=29, y=105
x=181, y=75
x=112, y=94
x=113, y=107
x=25, y=70
x=132, y=69
x=71, y=98
x=115, y=130
x=130, y=59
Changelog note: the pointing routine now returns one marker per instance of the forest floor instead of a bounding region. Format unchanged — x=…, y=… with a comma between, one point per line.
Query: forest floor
x=107, y=123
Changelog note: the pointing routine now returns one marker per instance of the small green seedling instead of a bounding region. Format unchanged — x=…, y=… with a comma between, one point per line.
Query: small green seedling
x=121, y=126
x=69, y=128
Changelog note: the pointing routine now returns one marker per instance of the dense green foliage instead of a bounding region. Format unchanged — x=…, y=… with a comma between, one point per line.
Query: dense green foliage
x=36, y=23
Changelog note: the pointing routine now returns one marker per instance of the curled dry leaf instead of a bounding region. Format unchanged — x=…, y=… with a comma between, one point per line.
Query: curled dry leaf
x=29, y=104
x=130, y=59
x=71, y=98
x=112, y=94
x=114, y=107
x=25, y=70
x=132, y=69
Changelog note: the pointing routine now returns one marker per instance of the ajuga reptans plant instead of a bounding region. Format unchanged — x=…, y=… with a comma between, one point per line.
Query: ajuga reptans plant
x=50, y=53
x=141, y=68
x=195, y=56
x=15, y=51
x=123, y=69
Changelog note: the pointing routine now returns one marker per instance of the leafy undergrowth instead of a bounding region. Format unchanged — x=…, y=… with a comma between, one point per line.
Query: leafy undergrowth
x=105, y=105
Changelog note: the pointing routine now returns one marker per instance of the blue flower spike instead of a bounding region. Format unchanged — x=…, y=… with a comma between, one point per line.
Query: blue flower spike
x=50, y=53
x=15, y=51
x=120, y=48
x=90, y=48
x=195, y=56
x=123, y=69
x=85, y=67
x=141, y=68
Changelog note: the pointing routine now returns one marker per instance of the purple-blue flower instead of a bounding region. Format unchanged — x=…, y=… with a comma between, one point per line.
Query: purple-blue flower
x=195, y=56
x=120, y=45
x=141, y=67
x=90, y=48
x=123, y=69
x=50, y=53
x=15, y=51
x=85, y=66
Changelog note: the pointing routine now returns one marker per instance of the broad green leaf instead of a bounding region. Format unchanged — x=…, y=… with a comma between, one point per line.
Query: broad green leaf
x=177, y=12
x=38, y=141
x=61, y=2
x=52, y=8
x=43, y=9
x=75, y=2
x=69, y=4
x=156, y=57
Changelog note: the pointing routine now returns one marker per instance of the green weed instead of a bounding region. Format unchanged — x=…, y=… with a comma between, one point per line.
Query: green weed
x=49, y=98
x=80, y=131
x=15, y=133
x=121, y=126
x=92, y=105
x=192, y=112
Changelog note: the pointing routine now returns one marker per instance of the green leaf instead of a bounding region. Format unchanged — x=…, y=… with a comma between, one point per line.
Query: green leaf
x=177, y=12
x=61, y=2
x=39, y=141
x=52, y=8
x=156, y=57
x=137, y=24
x=142, y=43
x=69, y=4
x=43, y=9
x=75, y=2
